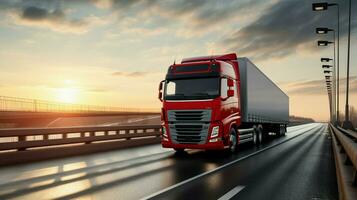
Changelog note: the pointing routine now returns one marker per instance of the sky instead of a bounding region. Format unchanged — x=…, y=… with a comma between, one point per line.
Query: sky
x=115, y=52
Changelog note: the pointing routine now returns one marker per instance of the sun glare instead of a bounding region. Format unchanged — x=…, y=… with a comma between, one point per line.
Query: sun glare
x=67, y=95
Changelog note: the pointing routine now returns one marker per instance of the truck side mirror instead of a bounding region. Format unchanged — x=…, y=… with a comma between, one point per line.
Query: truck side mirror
x=160, y=85
x=230, y=93
x=230, y=83
x=160, y=96
x=160, y=90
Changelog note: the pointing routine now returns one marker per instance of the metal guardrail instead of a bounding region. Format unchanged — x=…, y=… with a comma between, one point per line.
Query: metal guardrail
x=349, y=133
x=345, y=152
x=36, y=105
x=28, y=145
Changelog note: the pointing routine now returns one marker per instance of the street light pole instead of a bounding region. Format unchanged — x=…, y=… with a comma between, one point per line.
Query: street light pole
x=338, y=66
x=347, y=123
x=333, y=91
x=328, y=88
x=328, y=84
x=321, y=7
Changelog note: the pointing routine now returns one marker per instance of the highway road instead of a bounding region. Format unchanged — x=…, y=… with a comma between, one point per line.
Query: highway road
x=299, y=165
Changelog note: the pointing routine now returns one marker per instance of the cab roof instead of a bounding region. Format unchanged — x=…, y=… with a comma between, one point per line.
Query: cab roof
x=224, y=57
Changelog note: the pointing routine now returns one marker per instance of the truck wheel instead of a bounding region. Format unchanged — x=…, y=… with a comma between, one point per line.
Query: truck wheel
x=233, y=141
x=282, y=130
x=279, y=131
x=255, y=136
x=260, y=135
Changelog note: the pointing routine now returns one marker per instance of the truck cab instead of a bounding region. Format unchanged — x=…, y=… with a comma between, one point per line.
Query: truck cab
x=201, y=103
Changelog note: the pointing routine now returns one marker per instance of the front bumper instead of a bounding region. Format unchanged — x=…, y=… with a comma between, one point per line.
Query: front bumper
x=210, y=145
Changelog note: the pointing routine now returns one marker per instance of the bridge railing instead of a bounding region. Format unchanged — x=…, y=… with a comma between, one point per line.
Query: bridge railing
x=33, y=144
x=36, y=105
x=345, y=152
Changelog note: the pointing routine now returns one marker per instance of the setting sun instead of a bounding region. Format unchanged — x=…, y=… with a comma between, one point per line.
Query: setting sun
x=67, y=95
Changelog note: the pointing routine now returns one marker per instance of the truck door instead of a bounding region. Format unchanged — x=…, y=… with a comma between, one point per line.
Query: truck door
x=229, y=110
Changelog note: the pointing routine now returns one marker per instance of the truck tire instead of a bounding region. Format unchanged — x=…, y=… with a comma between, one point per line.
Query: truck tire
x=283, y=130
x=233, y=141
x=255, y=136
x=278, y=132
x=260, y=135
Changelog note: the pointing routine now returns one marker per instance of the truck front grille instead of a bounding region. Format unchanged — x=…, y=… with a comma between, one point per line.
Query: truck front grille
x=189, y=126
x=189, y=115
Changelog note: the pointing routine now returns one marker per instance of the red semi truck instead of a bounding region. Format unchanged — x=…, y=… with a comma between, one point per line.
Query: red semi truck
x=218, y=102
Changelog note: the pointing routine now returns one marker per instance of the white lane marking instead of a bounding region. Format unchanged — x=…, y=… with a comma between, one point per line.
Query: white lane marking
x=304, y=130
x=232, y=193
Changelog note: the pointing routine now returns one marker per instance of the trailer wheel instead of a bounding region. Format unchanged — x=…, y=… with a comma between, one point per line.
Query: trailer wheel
x=233, y=141
x=283, y=130
x=278, y=131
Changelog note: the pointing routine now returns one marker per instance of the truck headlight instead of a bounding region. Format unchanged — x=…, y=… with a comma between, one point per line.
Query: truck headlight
x=215, y=131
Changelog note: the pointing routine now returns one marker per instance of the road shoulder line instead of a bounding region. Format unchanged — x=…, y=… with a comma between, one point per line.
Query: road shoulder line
x=232, y=193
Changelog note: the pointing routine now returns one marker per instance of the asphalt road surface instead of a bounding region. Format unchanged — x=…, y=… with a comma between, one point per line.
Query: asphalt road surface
x=299, y=165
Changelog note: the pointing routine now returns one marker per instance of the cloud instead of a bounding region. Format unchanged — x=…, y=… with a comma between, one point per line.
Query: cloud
x=129, y=74
x=56, y=20
x=102, y=4
x=276, y=28
x=317, y=87
x=285, y=28
x=192, y=18
x=48, y=14
x=145, y=31
x=38, y=14
x=216, y=12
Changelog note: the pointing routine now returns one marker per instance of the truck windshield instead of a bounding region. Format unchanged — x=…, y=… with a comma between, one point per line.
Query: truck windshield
x=199, y=88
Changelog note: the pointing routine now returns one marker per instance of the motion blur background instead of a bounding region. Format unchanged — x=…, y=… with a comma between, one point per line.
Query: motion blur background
x=115, y=52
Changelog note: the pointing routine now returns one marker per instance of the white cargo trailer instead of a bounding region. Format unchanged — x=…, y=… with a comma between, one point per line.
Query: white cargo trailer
x=261, y=100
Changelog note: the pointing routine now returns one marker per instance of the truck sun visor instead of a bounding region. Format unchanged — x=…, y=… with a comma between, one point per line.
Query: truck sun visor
x=192, y=68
